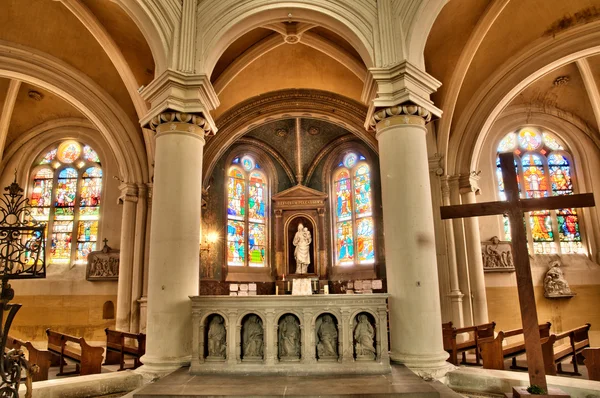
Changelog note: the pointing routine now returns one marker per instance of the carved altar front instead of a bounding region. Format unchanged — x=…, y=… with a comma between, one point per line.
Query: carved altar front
x=293, y=335
x=294, y=206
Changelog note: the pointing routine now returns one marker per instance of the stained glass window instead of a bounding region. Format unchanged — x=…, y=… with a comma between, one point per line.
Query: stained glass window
x=354, y=229
x=544, y=169
x=247, y=213
x=69, y=200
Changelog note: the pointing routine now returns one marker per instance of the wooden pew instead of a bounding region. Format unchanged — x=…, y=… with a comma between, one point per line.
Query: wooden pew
x=117, y=347
x=493, y=352
x=554, y=355
x=592, y=362
x=88, y=359
x=477, y=332
x=41, y=358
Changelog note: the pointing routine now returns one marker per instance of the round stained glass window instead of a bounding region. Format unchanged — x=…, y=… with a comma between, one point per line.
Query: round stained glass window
x=247, y=163
x=350, y=160
x=68, y=151
x=529, y=139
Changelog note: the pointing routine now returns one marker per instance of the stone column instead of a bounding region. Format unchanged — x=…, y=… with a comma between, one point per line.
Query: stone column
x=461, y=254
x=129, y=199
x=174, y=268
x=138, y=257
x=412, y=277
x=468, y=189
x=455, y=293
x=143, y=301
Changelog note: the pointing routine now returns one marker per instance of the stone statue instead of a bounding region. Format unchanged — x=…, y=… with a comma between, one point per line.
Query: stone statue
x=253, y=338
x=217, y=338
x=494, y=258
x=364, y=336
x=289, y=339
x=327, y=338
x=302, y=241
x=555, y=284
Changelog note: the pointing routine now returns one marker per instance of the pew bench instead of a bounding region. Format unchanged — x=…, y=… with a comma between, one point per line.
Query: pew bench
x=88, y=359
x=555, y=355
x=42, y=358
x=493, y=352
x=475, y=333
x=121, y=344
x=592, y=362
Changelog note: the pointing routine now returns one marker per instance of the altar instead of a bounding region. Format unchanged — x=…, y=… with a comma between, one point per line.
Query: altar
x=290, y=335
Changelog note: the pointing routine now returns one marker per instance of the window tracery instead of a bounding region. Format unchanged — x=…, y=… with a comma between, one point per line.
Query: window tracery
x=543, y=169
x=353, y=213
x=247, y=213
x=66, y=193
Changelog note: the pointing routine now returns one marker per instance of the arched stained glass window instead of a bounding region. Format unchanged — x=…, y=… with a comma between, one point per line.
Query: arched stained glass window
x=247, y=213
x=354, y=229
x=543, y=169
x=66, y=192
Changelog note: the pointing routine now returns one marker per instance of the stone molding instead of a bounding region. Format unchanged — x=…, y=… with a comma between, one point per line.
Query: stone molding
x=40, y=69
x=400, y=114
x=469, y=183
x=187, y=36
x=178, y=122
x=435, y=164
x=129, y=193
x=181, y=93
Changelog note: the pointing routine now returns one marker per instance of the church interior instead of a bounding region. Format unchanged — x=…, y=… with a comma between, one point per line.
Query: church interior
x=304, y=188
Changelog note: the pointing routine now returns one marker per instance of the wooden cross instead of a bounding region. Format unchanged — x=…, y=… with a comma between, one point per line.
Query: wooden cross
x=514, y=208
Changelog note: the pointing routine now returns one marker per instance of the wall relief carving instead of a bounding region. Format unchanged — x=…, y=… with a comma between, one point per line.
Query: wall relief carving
x=103, y=265
x=497, y=255
x=555, y=284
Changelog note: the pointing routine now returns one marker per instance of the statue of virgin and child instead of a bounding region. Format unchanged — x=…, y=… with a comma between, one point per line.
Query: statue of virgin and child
x=302, y=241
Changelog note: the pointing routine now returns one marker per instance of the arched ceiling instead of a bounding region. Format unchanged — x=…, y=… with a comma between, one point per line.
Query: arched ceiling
x=474, y=41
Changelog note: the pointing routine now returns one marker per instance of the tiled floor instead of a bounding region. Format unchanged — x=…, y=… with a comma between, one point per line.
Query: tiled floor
x=401, y=382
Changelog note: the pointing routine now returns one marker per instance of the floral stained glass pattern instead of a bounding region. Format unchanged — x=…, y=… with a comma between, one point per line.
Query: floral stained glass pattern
x=41, y=195
x=345, y=243
x=90, y=155
x=49, y=157
x=362, y=191
x=343, y=195
x=364, y=241
x=350, y=160
x=235, y=243
x=236, y=195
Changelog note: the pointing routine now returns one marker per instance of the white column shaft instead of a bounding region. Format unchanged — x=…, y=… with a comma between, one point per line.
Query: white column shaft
x=476, y=275
x=174, y=269
x=138, y=260
x=123, y=321
x=412, y=277
x=455, y=293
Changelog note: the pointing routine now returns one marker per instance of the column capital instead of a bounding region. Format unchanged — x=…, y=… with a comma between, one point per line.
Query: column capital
x=182, y=98
x=435, y=164
x=402, y=84
x=129, y=193
x=469, y=183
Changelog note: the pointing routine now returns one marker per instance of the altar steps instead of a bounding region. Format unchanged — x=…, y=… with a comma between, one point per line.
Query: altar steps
x=399, y=383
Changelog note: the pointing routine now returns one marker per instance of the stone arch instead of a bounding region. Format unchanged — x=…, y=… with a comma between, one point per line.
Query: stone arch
x=281, y=104
x=355, y=22
x=418, y=30
x=510, y=79
x=40, y=69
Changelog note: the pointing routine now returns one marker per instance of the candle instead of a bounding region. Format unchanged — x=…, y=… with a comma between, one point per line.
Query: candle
x=276, y=290
x=326, y=289
x=283, y=276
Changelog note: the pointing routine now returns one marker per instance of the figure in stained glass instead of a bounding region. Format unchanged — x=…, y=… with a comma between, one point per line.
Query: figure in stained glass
x=345, y=243
x=364, y=241
x=362, y=188
x=58, y=204
x=343, y=193
x=543, y=155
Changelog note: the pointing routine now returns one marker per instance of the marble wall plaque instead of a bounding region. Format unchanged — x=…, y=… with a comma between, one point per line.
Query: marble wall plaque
x=301, y=287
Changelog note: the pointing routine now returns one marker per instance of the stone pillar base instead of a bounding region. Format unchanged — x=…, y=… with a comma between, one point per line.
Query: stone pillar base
x=428, y=367
x=155, y=368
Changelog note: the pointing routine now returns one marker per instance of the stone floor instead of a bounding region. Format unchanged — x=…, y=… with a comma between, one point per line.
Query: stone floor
x=401, y=382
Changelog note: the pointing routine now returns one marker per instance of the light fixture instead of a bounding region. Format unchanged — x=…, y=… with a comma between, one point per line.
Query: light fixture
x=209, y=239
